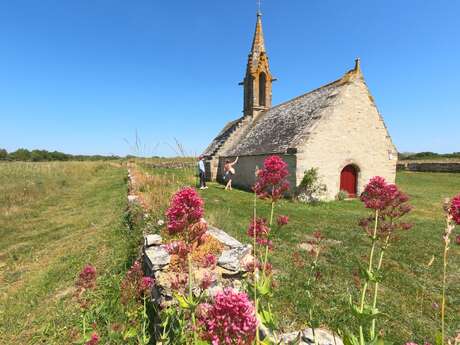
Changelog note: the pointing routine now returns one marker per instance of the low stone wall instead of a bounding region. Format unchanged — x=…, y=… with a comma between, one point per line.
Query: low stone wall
x=429, y=166
x=229, y=269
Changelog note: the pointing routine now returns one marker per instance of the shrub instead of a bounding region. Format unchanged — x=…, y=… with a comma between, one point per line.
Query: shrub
x=341, y=195
x=310, y=189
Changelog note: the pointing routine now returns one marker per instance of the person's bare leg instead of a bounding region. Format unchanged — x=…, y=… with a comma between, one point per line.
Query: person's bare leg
x=228, y=184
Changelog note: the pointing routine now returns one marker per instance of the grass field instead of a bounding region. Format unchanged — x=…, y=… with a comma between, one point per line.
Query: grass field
x=55, y=218
x=410, y=290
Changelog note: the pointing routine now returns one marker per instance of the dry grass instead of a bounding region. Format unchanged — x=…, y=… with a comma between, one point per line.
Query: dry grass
x=54, y=218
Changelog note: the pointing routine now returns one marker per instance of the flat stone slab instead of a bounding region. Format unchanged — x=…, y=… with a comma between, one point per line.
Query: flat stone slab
x=157, y=257
x=230, y=259
x=152, y=240
x=224, y=238
x=305, y=337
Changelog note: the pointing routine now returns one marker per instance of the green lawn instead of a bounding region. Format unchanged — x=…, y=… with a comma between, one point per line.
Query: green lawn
x=409, y=289
x=55, y=218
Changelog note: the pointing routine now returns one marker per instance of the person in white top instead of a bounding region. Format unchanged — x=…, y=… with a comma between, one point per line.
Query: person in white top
x=229, y=171
x=202, y=172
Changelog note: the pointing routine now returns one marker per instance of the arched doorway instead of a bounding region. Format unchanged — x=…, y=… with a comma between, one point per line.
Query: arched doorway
x=349, y=180
x=262, y=89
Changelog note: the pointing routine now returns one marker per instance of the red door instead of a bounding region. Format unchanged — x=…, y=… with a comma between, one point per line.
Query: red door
x=348, y=180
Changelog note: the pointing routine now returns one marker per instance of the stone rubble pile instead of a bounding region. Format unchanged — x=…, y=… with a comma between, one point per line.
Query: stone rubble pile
x=229, y=269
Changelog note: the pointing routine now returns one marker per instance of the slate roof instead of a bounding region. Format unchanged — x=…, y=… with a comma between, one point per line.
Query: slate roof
x=282, y=127
x=221, y=137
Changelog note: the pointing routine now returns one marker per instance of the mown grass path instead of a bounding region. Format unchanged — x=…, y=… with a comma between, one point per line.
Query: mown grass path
x=55, y=218
x=409, y=291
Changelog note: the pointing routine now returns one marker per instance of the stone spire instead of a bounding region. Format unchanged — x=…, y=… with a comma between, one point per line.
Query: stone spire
x=258, y=43
x=258, y=80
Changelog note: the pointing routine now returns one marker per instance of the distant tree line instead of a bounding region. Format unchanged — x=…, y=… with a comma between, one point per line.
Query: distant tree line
x=46, y=156
x=429, y=155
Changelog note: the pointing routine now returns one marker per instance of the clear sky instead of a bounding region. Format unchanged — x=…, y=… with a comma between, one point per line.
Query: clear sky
x=82, y=76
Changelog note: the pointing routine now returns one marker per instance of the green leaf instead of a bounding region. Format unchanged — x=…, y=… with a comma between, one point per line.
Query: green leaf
x=438, y=338
x=367, y=314
x=267, y=318
x=350, y=339
x=183, y=302
x=377, y=341
x=130, y=333
x=370, y=276
x=264, y=287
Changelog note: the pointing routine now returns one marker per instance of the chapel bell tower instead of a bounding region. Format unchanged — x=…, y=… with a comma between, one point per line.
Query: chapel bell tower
x=258, y=80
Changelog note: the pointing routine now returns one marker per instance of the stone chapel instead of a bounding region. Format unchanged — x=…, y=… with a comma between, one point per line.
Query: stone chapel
x=335, y=128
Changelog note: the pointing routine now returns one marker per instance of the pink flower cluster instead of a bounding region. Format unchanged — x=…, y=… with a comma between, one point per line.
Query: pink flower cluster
x=271, y=179
x=230, y=320
x=282, y=220
x=134, y=285
x=254, y=264
x=94, y=340
x=87, y=278
x=145, y=284
x=207, y=280
x=178, y=248
x=454, y=209
x=378, y=194
x=260, y=230
x=179, y=282
x=209, y=261
x=186, y=208
x=391, y=203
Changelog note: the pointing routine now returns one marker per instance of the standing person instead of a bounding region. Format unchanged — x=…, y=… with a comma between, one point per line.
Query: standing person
x=202, y=172
x=229, y=171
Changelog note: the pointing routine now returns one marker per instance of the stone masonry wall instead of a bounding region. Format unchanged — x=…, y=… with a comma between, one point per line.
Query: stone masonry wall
x=429, y=166
x=246, y=166
x=351, y=133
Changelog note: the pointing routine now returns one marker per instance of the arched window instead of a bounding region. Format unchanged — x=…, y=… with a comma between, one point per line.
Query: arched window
x=262, y=89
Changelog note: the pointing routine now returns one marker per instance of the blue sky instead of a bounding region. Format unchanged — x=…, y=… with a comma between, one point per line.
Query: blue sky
x=83, y=76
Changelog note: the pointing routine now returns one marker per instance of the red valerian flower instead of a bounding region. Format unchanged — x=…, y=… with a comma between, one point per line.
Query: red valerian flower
x=94, y=340
x=457, y=240
x=145, y=284
x=178, y=248
x=134, y=285
x=186, y=208
x=271, y=179
x=391, y=203
x=197, y=232
x=378, y=193
x=282, y=220
x=179, y=282
x=209, y=261
x=454, y=209
x=251, y=265
x=87, y=278
x=207, y=280
x=230, y=319
x=260, y=230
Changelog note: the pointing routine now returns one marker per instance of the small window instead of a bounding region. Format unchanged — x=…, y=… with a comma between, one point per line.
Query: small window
x=262, y=89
